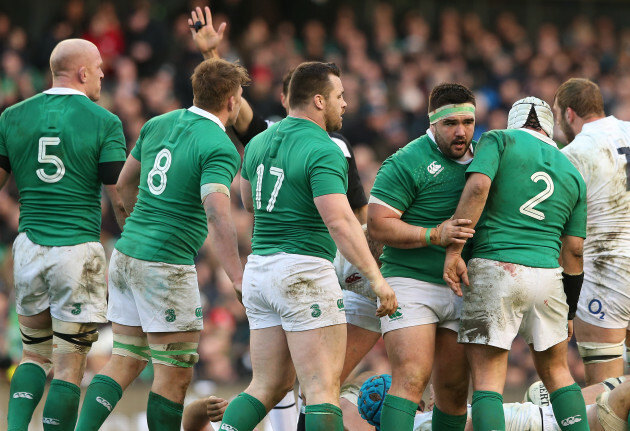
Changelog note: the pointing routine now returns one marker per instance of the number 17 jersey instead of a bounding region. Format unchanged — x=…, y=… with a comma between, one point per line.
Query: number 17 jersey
x=179, y=152
x=536, y=196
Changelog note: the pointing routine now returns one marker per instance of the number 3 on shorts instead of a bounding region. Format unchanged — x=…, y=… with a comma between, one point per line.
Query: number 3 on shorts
x=277, y=172
x=159, y=169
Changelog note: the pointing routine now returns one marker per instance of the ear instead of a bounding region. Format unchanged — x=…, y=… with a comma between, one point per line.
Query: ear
x=230, y=103
x=320, y=101
x=569, y=115
x=83, y=74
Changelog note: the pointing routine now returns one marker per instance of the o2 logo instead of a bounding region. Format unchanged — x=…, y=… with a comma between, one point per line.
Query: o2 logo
x=595, y=307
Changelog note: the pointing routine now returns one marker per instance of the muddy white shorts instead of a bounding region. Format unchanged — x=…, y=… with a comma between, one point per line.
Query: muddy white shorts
x=361, y=311
x=506, y=299
x=296, y=291
x=422, y=303
x=604, y=307
x=158, y=296
x=68, y=279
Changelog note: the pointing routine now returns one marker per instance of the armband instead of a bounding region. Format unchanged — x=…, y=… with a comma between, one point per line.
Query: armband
x=572, y=287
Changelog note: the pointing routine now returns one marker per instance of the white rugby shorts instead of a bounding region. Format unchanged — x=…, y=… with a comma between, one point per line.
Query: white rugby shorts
x=422, y=303
x=158, y=296
x=361, y=311
x=296, y=291
x=68, y=279
x=506, y=299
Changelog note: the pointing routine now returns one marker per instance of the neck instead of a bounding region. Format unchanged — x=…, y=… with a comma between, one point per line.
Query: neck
x=592, y=117
x=222, y=115
x=310, y=115
x=67, y=83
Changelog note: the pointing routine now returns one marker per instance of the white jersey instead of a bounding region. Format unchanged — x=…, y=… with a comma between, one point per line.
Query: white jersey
x=351, y=279
x=518, y=417
x=601, y=152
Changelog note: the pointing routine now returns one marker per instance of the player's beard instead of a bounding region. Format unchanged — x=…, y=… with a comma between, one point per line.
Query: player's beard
x=332, y=119
x=448, y=148
x=566, y=129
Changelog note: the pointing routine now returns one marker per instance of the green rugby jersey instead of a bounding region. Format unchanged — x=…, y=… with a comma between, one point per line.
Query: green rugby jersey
x=288, y=165
x=54, y=142
x=536, y=196
x=179, y=152
x=425, y=186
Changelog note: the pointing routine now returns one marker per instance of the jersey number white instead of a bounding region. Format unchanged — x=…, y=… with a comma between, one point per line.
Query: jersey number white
x=528, y=207
x=277, y=172
x=159, y=169
x=42, y=157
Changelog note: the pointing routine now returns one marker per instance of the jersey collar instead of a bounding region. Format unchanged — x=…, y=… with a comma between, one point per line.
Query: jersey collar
x=208, y=115
x=63, y=91
x=540, y=136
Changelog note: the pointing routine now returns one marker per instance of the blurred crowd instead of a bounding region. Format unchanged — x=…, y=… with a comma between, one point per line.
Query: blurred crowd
x=390, y=59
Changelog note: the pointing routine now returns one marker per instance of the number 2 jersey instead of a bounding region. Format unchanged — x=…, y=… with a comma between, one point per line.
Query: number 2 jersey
x=288, y=165
x=54, y=142
x=536, y=196
x=601, y=152
x=179, y=152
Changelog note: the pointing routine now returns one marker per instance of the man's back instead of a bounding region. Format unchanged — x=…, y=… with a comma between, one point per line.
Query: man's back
x=536, y=196
x=179, y=152
x=288, y=165
x=54, y=142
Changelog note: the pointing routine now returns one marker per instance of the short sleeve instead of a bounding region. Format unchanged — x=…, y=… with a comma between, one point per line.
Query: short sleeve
x=487, y=155
x=576, y=224
x=395, y=184
x=220, y=164
x=244, y=172
x=328, y=171
x=113, y=147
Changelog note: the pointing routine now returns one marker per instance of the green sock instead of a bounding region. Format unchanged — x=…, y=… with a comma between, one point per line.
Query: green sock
x=27, y=388
x=569, y=409
x=487, y=411
x=323, y=417
x=243, y=413
x=444, y=422
x=100, y=399
x=62, y=403
x=397, y=414
x=163, y=414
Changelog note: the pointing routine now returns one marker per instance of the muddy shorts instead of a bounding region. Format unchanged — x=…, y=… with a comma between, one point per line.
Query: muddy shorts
x=69, y=279
x=361, y=311
x=422, y=303
x=506, y=299
x=604, y=307
x=158, y=296
x=296, y=291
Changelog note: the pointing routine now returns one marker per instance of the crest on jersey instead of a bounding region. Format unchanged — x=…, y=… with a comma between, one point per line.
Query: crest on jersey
x=435, y=168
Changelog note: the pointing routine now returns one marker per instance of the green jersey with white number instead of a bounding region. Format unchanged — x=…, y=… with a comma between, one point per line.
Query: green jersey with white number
x=536, y=196
x=425, y=185
x=54, y=142
x=288, y=165
x=179, y=152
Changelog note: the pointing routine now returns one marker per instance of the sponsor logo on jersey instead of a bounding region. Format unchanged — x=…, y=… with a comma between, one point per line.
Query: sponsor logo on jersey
x=435, y=168
x=104, y=402
x=571, y=420
x=396, y=315
x=353, y=278
x=340, y=305
x=50, y=421
x=227, y=427
x=26, y=395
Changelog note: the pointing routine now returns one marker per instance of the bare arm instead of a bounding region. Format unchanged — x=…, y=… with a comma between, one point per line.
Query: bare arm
x=117, y=204
x=246, y=195
x=128, y=182
x=386, y=226
x=470, y=207
x=346, y=231
x=4, y=176
x=218, y=213
x=572, y=254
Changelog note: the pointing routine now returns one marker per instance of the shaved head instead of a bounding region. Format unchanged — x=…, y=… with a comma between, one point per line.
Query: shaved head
x=76, y=63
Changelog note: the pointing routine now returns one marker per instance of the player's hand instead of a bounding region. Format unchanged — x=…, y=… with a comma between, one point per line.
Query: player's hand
x=453, y=232
x=215, y=407
x=570, y=329
x=206, y=37
x=455, y=271
x=386, y=296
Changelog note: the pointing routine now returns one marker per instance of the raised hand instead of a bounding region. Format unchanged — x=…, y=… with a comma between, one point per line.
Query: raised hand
x=203, y=33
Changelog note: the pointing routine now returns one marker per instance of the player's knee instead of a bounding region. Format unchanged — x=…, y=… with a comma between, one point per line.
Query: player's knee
x=183, y=354
x=37, y=347
x=73, y=337
x=593, y=353
x=132, y=346
x=451, y=393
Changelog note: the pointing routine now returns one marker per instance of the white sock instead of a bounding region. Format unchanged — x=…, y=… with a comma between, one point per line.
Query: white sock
x=283, y=416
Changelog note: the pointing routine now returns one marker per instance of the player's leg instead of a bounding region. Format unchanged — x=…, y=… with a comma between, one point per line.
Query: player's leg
x=601, y=350
x=130, y=356
x=610, y=413
x=273, y=376
x=318, y=358
x=29, y=378
x=451, y=378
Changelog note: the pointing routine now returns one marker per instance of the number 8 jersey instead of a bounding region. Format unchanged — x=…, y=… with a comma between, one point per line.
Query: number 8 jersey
x=179, y=153
x=54, y=142
x=536, y=196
